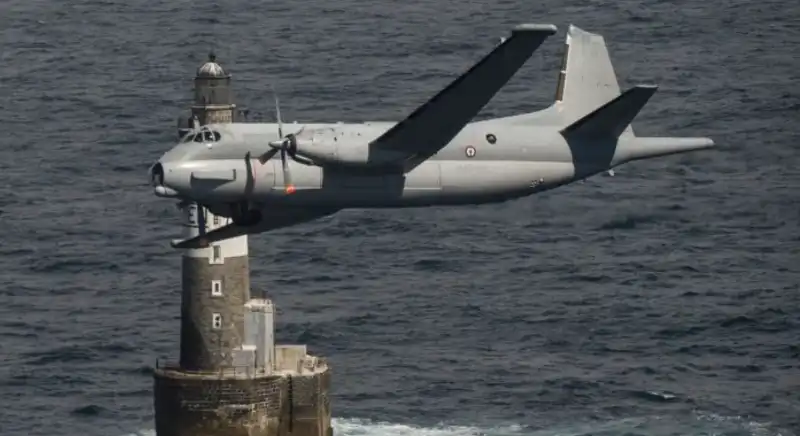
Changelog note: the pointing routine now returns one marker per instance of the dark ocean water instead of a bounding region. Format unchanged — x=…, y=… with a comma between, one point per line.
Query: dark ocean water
x=662, y=301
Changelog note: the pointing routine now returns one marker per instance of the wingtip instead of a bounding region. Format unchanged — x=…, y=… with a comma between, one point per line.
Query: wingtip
x=549, y=29
x=698, y=143
x=644, y=89
x=574, y=31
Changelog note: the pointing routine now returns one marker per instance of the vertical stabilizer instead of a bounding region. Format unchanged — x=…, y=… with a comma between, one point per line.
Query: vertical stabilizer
x=587, y=79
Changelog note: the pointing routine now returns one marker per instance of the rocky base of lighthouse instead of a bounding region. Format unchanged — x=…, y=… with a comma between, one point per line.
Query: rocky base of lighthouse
x=291, y=401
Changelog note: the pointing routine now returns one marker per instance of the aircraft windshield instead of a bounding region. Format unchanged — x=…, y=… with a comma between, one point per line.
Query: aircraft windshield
x=203, y=135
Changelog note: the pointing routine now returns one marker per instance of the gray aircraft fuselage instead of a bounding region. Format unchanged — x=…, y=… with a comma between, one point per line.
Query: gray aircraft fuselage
x=266, y=176
x=523, y=160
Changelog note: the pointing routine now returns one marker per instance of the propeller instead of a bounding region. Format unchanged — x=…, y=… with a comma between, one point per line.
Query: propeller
x=286, y=145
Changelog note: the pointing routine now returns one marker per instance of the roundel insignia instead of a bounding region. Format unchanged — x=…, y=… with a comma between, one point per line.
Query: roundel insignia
x=470, y=151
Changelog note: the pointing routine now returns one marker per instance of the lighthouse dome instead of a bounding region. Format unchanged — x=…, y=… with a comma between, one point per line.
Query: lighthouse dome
x=211, y=68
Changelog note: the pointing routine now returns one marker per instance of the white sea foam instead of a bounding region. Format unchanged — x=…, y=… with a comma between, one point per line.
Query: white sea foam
x=363, y=427
x=701, y=424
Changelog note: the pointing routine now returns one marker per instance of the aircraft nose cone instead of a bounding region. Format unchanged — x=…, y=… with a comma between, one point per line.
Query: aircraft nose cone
x=156, y=174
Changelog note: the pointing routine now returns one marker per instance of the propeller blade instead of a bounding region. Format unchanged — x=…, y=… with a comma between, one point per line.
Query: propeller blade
x=287, y=176
x=284, y=144
x=278, y=113
x=250, y=180
x=268, y=155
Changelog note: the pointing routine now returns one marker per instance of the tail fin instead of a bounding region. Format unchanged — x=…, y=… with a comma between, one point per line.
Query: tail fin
x=588, y=102
x=610, y=120
x=587, y=79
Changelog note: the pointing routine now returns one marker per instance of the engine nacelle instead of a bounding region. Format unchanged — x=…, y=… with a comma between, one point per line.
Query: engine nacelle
x=346, y=154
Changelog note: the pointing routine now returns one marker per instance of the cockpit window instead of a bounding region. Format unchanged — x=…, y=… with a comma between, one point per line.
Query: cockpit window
x=205, y=135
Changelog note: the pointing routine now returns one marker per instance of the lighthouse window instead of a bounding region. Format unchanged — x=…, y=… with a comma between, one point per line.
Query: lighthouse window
x=216, y=288
x=216, y=255
x=216, y=321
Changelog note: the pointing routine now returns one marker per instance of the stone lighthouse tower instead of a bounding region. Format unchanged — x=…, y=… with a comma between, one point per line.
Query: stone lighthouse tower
x=231, y=378
x=213, y=100
x=216, y=280
x=213, y=97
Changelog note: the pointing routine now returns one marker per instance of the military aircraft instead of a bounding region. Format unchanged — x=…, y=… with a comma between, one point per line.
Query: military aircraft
x=261, y=180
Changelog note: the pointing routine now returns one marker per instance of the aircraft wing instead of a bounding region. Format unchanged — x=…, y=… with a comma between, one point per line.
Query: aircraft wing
x=279, y=218
x=434, y=124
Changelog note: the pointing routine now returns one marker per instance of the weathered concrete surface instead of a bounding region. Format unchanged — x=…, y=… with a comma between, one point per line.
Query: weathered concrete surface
x=239, y=404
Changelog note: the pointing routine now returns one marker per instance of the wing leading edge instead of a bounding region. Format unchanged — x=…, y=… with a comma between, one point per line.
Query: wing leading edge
x=434, y=124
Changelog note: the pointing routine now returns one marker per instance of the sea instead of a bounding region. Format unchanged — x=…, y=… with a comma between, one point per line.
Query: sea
x=662, y=300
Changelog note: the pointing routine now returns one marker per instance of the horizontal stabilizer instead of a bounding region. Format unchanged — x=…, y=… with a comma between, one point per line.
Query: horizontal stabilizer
x=648, y=148
x=611, y=119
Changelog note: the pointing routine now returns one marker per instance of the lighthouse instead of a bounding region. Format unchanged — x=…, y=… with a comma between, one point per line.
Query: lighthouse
x=231, y=378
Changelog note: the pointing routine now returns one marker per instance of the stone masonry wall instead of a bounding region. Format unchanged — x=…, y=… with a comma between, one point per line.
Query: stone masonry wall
x=220, y=115
x=214, y=91
x=205, y=406
x=204, y=347
x=277, y=405
x=311, y=407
